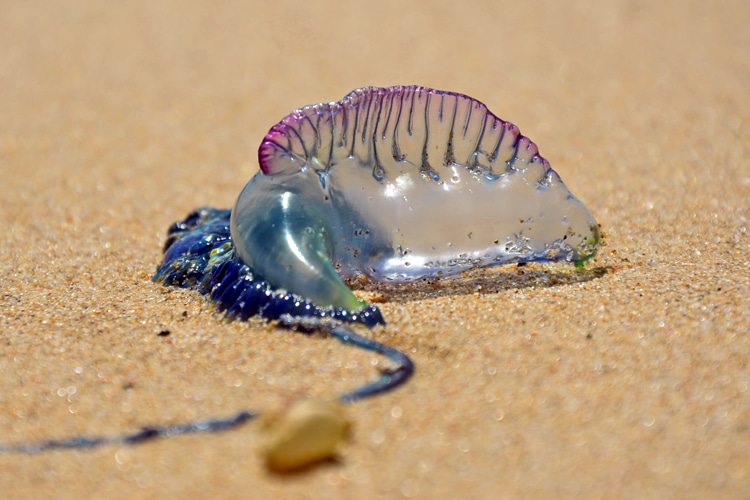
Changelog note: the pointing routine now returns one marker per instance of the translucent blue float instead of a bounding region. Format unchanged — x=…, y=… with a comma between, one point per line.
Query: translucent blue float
x=397, y=184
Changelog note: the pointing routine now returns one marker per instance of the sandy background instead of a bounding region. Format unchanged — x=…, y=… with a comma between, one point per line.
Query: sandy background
x=629, y=380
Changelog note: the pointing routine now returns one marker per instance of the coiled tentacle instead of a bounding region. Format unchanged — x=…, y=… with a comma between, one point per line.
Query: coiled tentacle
x=402, y=371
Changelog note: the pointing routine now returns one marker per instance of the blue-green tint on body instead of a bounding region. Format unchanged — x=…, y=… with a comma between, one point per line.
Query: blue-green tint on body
x=200, y=254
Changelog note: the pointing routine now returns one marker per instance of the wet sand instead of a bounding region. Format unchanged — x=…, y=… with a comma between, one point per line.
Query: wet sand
x=627, y=380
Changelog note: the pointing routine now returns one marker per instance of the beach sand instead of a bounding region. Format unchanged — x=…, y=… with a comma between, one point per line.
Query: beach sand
x=627, y=380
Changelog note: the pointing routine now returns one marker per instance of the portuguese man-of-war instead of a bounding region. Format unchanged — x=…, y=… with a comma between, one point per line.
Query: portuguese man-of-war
x=395, y=184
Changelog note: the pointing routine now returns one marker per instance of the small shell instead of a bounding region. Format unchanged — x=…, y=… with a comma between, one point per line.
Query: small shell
x=303, y=434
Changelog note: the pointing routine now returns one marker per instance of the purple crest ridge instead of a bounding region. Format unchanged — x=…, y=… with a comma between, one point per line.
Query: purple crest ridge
x=374, y=123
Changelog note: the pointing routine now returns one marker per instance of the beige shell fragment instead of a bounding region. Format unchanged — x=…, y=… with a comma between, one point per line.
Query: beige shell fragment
x=302, y=434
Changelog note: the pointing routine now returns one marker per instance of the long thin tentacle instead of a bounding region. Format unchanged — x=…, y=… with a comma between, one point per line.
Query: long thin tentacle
x=140, y=436
x=388, y=381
